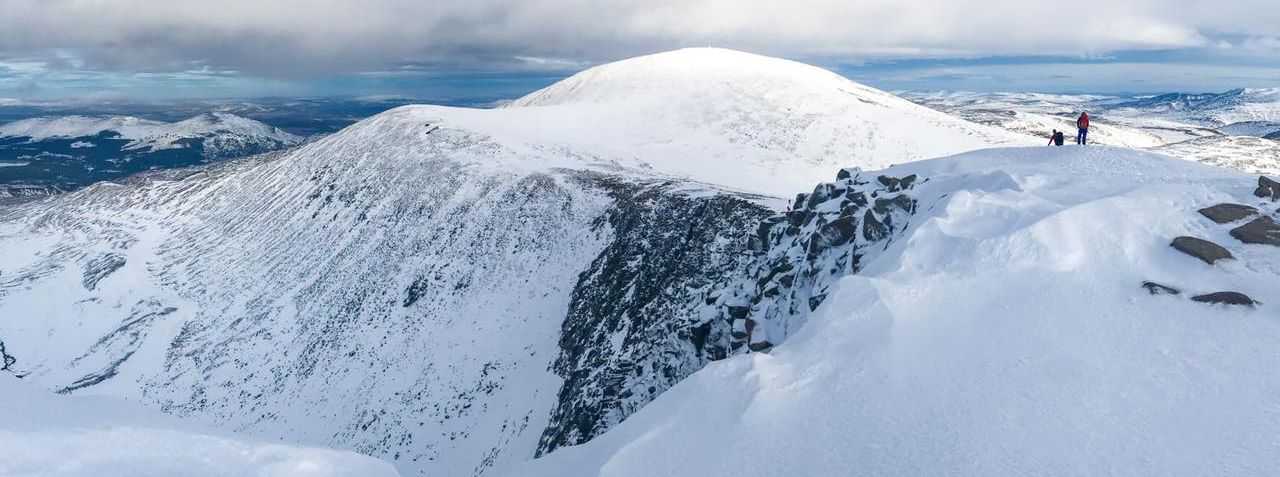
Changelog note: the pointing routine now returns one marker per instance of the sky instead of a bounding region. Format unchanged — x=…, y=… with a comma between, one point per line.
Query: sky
x=105, y=50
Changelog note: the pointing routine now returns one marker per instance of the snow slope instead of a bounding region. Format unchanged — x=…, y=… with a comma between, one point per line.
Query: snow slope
x=42, y=434
x=226, y=131
x=1005, y=334
x=451, y=289
x=778, y=125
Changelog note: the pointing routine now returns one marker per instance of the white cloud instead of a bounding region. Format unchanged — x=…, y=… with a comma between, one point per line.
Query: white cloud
x=303, y=38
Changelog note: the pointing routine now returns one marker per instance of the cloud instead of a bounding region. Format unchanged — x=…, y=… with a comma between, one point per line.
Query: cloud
x=295, y=39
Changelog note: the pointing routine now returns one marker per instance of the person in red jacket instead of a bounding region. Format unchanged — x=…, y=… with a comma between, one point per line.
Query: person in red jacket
x=1083, y=123
x=1056, y=138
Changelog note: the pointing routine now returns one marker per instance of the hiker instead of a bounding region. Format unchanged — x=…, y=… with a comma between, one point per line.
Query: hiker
x=1083, y=123
x=1057, y=138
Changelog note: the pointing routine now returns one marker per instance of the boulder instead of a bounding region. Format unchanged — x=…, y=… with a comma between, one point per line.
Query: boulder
x=837, y=232
x=1226, y=213
x=1225, y=298
x=1158, y=289
x=1267, y=188
x=1202, y=249
x=1262, y=230
x=801, y=198
x=740, y=329
x=873, y=229
x=890, y=183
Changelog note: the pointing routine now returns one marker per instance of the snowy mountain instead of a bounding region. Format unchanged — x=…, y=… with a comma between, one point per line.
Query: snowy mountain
x=48, y=155
x=458, y=290
x=1032, y=318
x=1212, y=109
x=224, y=135
x=64, y=436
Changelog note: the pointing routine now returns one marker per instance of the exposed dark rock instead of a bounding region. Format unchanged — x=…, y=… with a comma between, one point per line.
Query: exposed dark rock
x=872, y=229
x=1225, y=298
x=843, y=174
x=100, y=268
x=1267, y=188
x=759, y=346
x=816, y=301
x=890, y=183
x=691, y=279
x=1202, y=249
x=1158, y=289
x=1226, y=213
x=121, y=343
x=649, y=284
x=1262, y=230
x=857, y=197
x=6, y=361
x=837, y=232
x=801, y=198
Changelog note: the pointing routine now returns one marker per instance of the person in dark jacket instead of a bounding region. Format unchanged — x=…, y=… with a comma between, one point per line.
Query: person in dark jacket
x=1083, y=124
x=1057, y=138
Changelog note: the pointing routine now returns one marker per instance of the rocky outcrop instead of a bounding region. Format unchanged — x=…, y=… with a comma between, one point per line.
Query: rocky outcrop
x=1267, y=188
x=98, y=268
x=6, y=361
x=1227, y=213
x=1158, y=289
x=1262, y=230
x=1225, y=298
x=692, y=278
x=1206, y=251
x=639, y=320
x=826, y=234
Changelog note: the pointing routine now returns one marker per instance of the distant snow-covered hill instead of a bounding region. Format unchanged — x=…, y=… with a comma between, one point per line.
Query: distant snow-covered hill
x=1220, y=129
x=224, y=134
x=457, y=290
x=1211, y=109
x=58, y=153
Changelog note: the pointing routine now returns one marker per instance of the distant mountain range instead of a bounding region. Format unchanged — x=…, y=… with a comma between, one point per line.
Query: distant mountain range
x=44, y=155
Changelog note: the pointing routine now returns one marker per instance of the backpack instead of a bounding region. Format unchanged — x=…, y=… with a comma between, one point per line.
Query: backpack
x=1059, y=138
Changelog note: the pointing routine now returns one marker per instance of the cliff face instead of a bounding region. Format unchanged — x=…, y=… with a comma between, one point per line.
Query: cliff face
x=687, y=280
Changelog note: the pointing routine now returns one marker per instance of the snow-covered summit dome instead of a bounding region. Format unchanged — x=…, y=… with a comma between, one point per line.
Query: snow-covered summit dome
x=697, y=72
x=718, y=116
